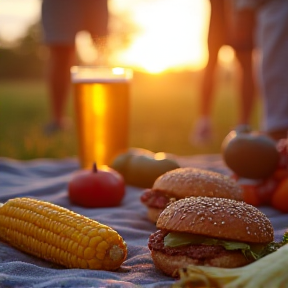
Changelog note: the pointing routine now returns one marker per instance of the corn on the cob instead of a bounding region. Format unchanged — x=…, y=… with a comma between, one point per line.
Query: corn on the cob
x=59, y=235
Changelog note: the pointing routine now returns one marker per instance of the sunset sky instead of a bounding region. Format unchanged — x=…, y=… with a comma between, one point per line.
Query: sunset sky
x=172, y=33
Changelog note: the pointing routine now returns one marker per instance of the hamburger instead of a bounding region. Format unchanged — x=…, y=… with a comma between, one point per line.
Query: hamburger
x=186, y=182
x=209, y=231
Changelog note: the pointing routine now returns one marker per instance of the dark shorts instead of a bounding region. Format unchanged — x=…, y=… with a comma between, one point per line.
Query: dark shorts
x=62, y=19
x=230, y=27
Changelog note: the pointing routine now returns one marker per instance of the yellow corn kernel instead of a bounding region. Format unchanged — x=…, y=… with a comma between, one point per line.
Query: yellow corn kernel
x=59, y=235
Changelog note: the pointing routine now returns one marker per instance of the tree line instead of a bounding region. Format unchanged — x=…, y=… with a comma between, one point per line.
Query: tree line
x=26, y=58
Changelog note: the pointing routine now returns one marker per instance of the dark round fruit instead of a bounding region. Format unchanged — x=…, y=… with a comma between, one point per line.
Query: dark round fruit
x=250, y=155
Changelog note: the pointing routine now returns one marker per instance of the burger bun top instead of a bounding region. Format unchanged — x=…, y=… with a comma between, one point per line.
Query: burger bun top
x=218, y=218
x=185, y=182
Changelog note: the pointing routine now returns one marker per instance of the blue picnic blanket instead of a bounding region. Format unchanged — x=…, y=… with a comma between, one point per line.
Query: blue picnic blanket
x=47, y=180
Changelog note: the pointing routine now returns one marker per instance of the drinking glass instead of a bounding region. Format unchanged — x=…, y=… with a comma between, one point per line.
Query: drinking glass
x=101, y=105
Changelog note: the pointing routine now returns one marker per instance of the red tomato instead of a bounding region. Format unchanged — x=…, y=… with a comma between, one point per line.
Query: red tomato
x=250, y=195
x=280, y=174
x=280, y=197
x=102, y=187
x=266, y=189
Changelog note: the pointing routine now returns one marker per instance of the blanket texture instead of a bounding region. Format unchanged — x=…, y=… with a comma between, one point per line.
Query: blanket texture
x=47, y=180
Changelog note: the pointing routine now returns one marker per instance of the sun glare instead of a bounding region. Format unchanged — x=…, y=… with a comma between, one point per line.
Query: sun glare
x=16, y=16
x=172, y=35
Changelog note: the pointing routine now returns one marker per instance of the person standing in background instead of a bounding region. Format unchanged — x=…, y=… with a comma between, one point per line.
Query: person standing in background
x=61, y=21
x=227, y=26
x=272, y=42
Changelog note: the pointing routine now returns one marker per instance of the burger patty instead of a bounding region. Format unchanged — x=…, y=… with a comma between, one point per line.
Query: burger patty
x=154, y=199
x=198, y=252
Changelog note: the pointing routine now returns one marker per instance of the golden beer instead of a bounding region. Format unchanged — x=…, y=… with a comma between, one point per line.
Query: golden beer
x=101, y=102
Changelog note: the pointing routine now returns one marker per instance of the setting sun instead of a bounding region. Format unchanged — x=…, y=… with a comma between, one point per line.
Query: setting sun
x=168, y=34
x=172, y=35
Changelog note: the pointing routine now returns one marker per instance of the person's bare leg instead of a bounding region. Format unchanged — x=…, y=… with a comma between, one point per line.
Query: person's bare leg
x=207, y=87
x=247, y=86
x=61, y=60
x=202, y=133
x=203, y=127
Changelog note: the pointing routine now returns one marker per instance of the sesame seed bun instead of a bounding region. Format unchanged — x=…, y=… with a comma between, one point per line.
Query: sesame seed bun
x=217, y=217
x=186, y=182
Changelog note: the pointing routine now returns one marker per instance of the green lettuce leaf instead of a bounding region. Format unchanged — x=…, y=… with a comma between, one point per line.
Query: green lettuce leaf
x=175, y=239
x=254, y=251
x=228, y=245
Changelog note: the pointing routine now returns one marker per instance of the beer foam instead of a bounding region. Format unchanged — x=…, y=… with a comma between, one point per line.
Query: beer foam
x=91, y=74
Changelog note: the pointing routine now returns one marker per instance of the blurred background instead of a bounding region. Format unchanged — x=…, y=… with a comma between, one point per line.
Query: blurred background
x=165, y=44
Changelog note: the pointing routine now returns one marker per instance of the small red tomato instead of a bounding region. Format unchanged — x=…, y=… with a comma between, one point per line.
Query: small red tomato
x=102, y=187
x=280, y=174
x=266, y=189
x=280, y=197
x=250, y=195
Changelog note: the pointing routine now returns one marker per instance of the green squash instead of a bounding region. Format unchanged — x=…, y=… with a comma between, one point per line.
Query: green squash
x=141, y=167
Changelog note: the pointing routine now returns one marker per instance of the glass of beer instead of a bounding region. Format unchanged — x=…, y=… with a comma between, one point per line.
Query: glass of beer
x=101, y=106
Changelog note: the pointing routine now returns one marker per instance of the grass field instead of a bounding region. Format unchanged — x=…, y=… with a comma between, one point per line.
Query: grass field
x=163, y=111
